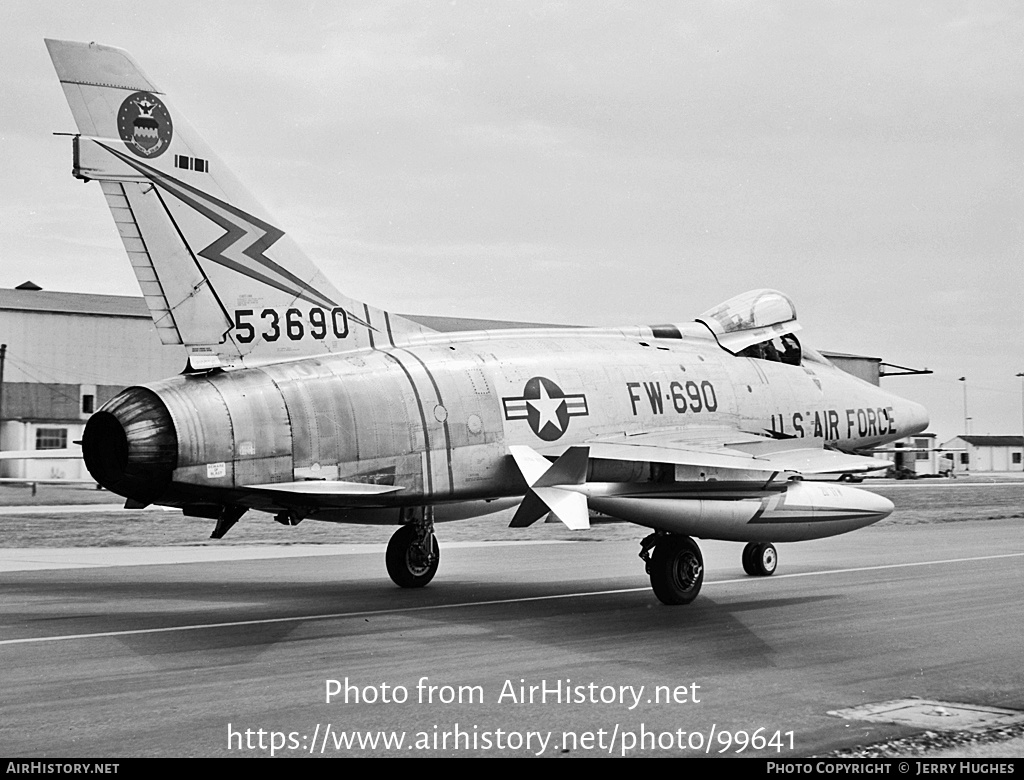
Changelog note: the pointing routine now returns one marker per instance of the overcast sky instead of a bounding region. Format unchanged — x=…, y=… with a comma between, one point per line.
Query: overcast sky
x=588, y=162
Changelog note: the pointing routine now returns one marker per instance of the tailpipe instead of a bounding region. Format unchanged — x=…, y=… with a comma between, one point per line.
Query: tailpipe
x=130, y=446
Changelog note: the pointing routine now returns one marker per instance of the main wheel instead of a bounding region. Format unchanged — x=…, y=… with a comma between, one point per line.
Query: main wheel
x=409, y=564
x=677, y=570
x=748, y=556
x=763, y=560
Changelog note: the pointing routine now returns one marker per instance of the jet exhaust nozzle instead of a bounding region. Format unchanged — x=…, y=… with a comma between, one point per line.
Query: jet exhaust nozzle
x=130, y=445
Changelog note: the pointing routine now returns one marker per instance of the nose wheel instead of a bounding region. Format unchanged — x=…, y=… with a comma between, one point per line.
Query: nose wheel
x=760, y=559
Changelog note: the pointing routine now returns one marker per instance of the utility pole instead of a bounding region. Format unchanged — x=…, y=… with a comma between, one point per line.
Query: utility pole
x=3, y=357
x=1020, y=374
x=967, y=420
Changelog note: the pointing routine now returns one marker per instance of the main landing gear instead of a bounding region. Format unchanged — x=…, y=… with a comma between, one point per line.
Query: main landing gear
x=760, y=559
x=676, y=568
x=413, y=554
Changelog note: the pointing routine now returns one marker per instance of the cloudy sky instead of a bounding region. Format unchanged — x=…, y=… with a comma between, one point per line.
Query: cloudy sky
x=588, y=162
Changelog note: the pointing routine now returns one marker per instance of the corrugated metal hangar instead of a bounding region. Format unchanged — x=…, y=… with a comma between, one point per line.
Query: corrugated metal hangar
x=66, y=355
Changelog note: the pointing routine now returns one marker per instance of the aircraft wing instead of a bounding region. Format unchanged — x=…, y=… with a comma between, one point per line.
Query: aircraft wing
x=327, y=488
x=65, y=454
x=729, y=448
x=710, y=447
x=31, y=481
x=799, y=456
x=918, y=449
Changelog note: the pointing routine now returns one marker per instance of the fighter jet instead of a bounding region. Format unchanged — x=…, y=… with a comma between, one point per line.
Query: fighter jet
x=304, y=403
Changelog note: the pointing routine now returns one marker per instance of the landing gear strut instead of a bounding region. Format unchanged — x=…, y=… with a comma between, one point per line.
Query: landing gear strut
x=413, y=554
x=228, y=516
x=760, y=559
x=676, y=568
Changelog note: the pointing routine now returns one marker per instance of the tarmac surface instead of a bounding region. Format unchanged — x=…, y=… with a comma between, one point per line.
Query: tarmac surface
x=231, y=651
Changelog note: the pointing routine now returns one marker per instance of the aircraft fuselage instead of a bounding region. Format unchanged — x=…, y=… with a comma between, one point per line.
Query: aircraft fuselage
x=437, y=417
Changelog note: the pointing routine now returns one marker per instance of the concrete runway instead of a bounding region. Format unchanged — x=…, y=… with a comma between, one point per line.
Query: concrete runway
x=172, y=659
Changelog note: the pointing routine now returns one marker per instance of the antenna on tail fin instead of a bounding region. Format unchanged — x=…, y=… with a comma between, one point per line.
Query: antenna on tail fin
x=219, y=276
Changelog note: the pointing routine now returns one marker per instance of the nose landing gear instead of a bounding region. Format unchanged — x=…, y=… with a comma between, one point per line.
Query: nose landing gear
x=760, y=559
x=676, y=566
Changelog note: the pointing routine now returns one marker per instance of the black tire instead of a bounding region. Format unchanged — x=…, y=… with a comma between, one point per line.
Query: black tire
x=406, y=564
x=763, y=560
x=748, y=558
x=677, y=570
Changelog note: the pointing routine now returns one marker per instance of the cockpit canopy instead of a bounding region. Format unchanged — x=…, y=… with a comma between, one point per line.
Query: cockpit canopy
x=759, y=323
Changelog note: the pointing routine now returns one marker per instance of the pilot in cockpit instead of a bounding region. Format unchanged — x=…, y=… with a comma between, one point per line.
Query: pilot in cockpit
x=790, y=349
x=767, y=350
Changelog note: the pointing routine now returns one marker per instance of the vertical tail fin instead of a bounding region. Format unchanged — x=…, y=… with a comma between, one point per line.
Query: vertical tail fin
x=219, y=277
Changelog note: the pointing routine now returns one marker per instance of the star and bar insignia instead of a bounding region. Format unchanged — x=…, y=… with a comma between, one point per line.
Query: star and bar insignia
x=545, y=407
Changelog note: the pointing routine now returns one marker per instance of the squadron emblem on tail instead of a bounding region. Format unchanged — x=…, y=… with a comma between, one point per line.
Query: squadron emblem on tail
x=144, y=124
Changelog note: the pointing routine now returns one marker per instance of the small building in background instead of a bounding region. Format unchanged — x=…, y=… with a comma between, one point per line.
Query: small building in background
x=985, y=453
x=67, y=354
x=916, y=456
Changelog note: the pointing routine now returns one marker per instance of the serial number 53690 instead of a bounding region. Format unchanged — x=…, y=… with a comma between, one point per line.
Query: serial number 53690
x=292, y=324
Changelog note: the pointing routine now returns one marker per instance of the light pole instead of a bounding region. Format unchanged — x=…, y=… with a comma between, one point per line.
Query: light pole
x=967, y=420
x=3, y=357
x=1021, y=375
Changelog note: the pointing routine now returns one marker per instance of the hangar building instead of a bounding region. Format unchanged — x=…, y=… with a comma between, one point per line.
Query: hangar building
x=66, y=355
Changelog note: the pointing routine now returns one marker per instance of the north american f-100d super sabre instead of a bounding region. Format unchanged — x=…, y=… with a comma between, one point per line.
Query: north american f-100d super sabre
x=300, y=401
